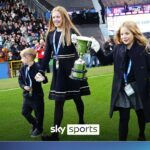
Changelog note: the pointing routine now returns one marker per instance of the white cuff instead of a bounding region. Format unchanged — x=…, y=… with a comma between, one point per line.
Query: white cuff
x=95, y=45
x=74, y=38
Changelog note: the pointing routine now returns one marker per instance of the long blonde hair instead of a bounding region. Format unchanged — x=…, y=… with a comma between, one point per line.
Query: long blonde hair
x=132, y=26
x=67, y=25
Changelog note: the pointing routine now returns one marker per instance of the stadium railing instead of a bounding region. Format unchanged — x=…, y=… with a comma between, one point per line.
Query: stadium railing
x=15, y=66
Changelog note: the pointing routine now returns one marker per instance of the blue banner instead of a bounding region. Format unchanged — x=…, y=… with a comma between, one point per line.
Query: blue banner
x=4, y=70
x=75, y=145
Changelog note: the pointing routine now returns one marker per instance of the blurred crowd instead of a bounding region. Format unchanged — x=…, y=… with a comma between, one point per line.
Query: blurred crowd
x=19, y=28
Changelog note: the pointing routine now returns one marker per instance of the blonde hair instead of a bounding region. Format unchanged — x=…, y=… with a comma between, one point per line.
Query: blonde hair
x=28, y=51
x=132, y=27
x=67, y=25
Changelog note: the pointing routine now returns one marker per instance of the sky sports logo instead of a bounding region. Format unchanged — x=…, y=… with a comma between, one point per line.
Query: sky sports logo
x=77, y=129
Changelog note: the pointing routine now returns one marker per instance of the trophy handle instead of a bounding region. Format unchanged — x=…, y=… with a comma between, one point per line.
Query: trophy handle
x=89, y=45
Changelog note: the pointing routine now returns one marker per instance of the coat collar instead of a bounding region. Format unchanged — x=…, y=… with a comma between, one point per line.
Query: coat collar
x=31, y=66
x=134, y=50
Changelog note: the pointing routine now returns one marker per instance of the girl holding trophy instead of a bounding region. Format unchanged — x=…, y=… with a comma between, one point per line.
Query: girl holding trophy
x=131, y=85
x=59, y=46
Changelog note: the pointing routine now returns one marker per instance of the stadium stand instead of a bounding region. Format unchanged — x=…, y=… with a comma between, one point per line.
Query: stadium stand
x=24, y=23
x=19, y=28
x=111, y=3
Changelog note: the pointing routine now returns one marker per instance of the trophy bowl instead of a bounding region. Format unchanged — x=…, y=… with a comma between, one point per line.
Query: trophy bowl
x=79, y=70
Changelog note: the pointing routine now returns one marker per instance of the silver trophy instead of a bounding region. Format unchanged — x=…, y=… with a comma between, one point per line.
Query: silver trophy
x=79, y=70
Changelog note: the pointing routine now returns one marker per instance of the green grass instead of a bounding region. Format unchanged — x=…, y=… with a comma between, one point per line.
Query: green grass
x=13, y=126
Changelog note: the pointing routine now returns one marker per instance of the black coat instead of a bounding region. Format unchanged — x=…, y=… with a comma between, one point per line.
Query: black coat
x=141, y=67
x=37, y=91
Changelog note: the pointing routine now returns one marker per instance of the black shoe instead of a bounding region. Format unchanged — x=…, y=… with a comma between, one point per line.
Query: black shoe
x=32, y=129
x=50, y=138
x=141, y=138
x=36, y=133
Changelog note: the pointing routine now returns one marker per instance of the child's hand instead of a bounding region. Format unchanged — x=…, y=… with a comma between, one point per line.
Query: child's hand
x=27, y=88
x=39, y=77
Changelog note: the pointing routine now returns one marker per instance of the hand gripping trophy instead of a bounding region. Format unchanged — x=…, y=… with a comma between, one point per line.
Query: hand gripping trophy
x=79, y=70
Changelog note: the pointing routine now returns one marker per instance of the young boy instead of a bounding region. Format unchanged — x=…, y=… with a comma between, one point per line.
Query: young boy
x=32, y=91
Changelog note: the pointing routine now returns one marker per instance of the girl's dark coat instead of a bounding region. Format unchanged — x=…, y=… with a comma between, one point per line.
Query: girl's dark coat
x=141, y=66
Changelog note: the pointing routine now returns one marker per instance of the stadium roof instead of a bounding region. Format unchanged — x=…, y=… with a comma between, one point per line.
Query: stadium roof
x=71, y=4
x=111, y=3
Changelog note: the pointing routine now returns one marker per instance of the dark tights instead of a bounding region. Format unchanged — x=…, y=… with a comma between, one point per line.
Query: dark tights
x=124, y=120
x=58, y=114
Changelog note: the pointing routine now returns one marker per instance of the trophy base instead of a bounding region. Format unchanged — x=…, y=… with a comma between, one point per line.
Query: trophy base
x=75, y=78
x=78, y=75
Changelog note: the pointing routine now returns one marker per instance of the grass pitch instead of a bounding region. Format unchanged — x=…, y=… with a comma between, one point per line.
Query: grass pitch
x=13, y=126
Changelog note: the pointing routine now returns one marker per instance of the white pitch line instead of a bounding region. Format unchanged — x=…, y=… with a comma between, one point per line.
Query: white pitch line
x=9, y=89
x=104, y=75
x=88, y=77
